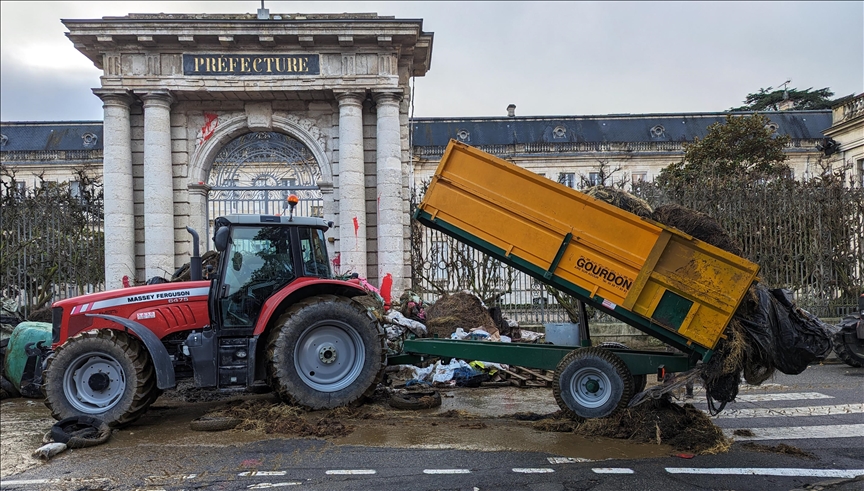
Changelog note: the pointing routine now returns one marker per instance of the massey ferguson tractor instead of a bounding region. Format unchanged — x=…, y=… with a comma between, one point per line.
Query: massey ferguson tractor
x=272, y=313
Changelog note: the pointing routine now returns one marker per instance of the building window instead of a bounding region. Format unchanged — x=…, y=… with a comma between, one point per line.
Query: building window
x=21, y=188
x=860, y=167
x=594, y=179
x=639, y=177
x=75, y=189
x=567, y=178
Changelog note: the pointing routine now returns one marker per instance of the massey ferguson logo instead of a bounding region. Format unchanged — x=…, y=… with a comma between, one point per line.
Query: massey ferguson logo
x=605, y=273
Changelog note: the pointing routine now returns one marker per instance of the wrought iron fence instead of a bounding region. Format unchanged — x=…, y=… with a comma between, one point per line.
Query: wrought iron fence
x=53, y=244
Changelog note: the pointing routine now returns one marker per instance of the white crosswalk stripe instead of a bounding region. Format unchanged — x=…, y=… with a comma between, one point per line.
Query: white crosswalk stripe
x=785, y=412
x=800, y=432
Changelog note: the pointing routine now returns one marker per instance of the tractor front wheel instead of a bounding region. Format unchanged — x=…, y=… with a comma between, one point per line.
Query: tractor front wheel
x=104, y=373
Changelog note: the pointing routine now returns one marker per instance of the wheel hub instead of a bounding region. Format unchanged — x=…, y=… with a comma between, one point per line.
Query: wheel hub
x=327, y=354
x=592, y=386
x=99, y=381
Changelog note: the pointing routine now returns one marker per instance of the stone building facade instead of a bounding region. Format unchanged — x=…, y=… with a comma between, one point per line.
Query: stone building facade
x=176, y=89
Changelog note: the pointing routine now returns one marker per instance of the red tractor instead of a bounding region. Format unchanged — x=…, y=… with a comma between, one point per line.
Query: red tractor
x=272, y=314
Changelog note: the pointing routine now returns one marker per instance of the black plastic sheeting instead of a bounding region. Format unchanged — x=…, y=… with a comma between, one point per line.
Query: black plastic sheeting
x=786, y=336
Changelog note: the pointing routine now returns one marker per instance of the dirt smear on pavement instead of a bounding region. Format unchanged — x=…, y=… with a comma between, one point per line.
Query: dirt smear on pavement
x=23, y=425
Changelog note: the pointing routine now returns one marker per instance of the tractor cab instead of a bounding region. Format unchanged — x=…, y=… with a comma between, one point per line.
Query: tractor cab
x=260, y=255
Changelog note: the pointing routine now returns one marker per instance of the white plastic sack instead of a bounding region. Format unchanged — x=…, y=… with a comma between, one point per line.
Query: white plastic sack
x=395, y=317
x=444, y=373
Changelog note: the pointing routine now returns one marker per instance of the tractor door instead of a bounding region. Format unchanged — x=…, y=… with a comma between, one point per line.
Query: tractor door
x=258, y=263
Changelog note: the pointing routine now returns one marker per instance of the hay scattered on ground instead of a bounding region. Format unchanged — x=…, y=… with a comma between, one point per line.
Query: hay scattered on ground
x=457, y=310
x=697, y=224
x=781, y=449
x=622, y=199
x=743, y=432
x=685, y=428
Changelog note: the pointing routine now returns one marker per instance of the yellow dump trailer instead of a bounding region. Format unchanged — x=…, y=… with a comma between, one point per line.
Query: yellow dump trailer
x=654, y=277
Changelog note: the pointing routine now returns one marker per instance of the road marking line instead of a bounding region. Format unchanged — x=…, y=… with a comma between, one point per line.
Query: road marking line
x=27, y=482
x=176, y=478
x=783, y=412
x=532, y=470
x=567, y=460
x=788, y=396
x=262, y=473
x=800, y=432
x=753, y=471
x=349, y=472
x=446, y=471
x=612, y=470
x=267, y=485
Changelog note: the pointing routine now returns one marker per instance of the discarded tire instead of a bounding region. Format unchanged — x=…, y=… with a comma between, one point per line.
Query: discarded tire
x=214, y=423
x=80, y=431
x=421, y=399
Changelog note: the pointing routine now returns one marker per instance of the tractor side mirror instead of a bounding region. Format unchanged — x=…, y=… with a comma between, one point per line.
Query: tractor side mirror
x=220, y=239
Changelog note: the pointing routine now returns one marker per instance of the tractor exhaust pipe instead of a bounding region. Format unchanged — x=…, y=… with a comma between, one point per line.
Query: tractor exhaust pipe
x=195, y=260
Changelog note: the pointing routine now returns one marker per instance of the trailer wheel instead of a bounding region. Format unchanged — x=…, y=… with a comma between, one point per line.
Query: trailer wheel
x=639, y=381
x=105, y=373
x=848, y=347
x=325, y=352
x=592, y=383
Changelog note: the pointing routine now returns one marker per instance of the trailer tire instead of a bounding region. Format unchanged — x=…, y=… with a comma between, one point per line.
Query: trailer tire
x=120, y=379
x=326, y=351
x=639, y=381
x=591, y=383
x=848, y=347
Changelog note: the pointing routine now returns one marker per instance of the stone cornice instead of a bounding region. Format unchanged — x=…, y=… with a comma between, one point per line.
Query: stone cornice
x=191, y=34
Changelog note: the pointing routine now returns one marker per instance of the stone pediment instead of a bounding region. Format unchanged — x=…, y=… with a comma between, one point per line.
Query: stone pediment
x=350, y=49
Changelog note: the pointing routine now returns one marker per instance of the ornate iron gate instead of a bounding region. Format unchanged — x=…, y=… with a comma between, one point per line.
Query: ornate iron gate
x=255, y=173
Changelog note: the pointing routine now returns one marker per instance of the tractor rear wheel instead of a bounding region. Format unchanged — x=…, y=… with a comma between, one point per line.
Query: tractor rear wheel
x=591, y=383
x=326, y=351
x=104, y=373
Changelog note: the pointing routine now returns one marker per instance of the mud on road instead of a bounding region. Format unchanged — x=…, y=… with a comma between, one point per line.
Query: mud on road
x=489, y=419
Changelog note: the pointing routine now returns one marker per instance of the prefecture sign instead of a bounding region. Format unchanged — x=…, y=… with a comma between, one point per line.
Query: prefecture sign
x=264, y=64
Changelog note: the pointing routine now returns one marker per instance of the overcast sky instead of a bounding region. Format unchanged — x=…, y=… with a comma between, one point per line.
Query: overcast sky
x=547, y=58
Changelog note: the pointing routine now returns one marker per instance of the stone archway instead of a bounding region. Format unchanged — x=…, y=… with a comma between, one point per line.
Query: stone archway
x=255, y=172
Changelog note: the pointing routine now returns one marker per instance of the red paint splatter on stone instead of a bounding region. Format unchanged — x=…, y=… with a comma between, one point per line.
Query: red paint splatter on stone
x=211, y=121
x=386, y=286
x=356, y=226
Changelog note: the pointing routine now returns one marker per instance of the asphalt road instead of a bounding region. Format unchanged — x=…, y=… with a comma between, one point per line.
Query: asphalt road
x=820, y=412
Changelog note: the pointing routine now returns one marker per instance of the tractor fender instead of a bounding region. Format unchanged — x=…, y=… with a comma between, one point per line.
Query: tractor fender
x=158, y=353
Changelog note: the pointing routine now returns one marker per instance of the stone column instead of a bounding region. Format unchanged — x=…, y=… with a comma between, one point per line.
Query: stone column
x=158, y=186
x=391, y=240
x=198, y=218
x=117, y=178
x=352, y=188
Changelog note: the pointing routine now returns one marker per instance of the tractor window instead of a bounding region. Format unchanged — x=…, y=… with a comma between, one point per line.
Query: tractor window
x=314, y=253
x=259, y=264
